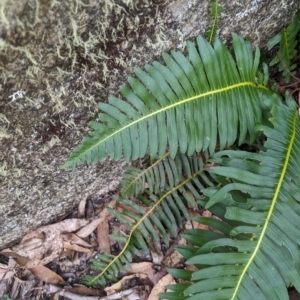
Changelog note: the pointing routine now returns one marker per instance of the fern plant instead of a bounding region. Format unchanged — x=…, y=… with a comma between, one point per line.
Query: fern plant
x=256, y=254
x=288, y=48
x=183, y=114
x=161, y=215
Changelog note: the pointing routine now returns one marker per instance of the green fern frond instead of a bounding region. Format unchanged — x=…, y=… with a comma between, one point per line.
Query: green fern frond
x=185, y=105
x=255, y=252
x=287, y=39
x=161, y=216
x=163, y=174
x=215, y=10
x=134, y=180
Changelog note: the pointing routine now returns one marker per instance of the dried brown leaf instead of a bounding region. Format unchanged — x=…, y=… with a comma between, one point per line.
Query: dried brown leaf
x=69, y=225
x=28, y=245
x=75, y=247
x=33, y=235
x=48, y=252
x=90, y=254
x=81, y=207
x=83, y=290
x=194, y=214
x=7, y=275
x=118, y=286
x=41, y=272
x=172, y=260
x=46, y=243
x=74, y=239
x=195, y=224
x=21, y=261
x=140, y=267
x=47, y=275
x=191, y=268
x=154, y=275
x=160, y=287
x=89, y=228
x=15, y=289
x=103, y=236
x=5, y=272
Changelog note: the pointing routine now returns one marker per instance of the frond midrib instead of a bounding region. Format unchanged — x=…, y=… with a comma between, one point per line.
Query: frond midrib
x=272, y=207
x=217, y=91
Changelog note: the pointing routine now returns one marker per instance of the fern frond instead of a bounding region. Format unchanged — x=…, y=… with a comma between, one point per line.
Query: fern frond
x=184, y=105
x=134, y=180
x=161, y=216
x=287, y=39
x=256, y=254
x=215, y=10
x=163, y=174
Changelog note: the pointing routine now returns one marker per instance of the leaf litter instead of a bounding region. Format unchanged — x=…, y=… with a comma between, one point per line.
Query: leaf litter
x=50, y=261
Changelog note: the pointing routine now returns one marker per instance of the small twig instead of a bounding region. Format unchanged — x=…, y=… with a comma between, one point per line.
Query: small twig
x=299, y=102
x=296, y=90
x=50, y=288
x=289, y=85
x=290, y=73
x=297, y=80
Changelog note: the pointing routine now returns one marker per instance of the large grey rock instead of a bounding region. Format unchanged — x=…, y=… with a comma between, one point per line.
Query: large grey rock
x=58, y=59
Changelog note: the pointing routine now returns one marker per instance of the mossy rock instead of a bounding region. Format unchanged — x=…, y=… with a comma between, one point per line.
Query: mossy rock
x=59, y=59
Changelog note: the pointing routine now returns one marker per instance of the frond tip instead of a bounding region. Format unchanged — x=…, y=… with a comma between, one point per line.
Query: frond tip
x=215, y=10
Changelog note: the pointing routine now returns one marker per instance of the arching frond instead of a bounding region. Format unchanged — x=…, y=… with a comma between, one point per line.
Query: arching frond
x=159, y=217
x=185, y=105
x=287, y=40
x=255, y=252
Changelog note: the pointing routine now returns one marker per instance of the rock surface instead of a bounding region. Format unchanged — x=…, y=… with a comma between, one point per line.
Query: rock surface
x=59, y=58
